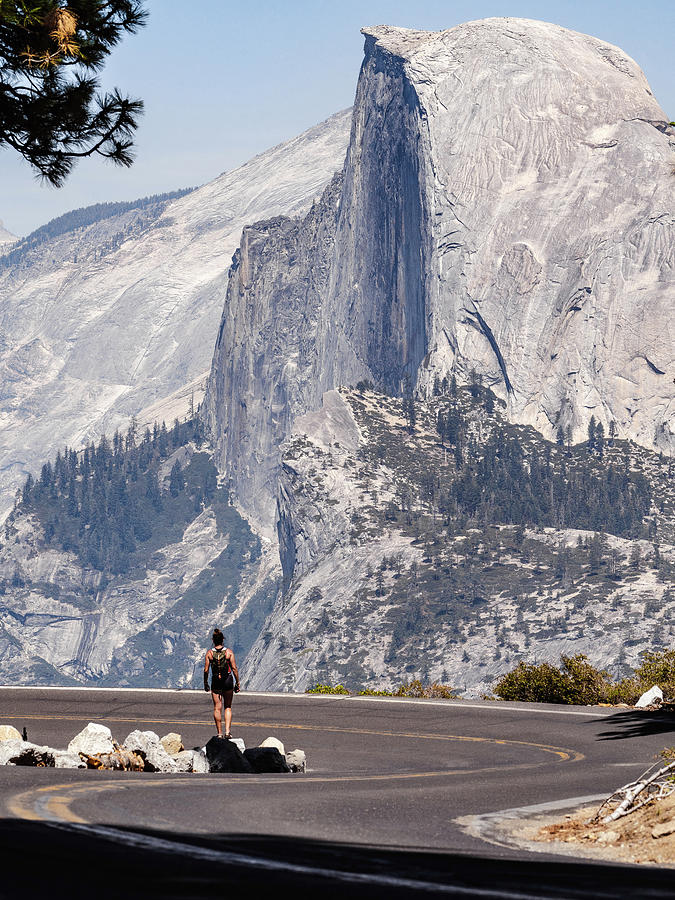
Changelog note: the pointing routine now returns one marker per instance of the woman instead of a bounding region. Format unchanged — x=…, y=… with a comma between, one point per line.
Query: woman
x=224, y=681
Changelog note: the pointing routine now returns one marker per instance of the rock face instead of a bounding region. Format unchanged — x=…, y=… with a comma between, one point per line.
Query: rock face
x=507, y=206
x=387, y=581
x=296, y=760
x=145, y=628
x=274, y=742
x=6, y=237
x=23, y=753
x=100, y=322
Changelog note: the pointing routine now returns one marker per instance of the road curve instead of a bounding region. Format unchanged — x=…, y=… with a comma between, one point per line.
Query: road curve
x=387, y=780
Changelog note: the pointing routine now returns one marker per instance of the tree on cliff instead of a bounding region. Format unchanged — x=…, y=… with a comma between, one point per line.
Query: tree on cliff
x=50, y=109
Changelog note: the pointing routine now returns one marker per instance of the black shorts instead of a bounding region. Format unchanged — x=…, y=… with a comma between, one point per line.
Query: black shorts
x=222, y=687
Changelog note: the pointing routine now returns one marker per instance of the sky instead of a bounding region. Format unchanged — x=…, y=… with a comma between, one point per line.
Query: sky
x=223, y=81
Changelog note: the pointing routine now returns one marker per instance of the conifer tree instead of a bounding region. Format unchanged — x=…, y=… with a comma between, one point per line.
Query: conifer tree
x=51, y=111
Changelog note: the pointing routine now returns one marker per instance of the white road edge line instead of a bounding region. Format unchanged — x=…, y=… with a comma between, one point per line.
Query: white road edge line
x=229, y=858
x=457, y=704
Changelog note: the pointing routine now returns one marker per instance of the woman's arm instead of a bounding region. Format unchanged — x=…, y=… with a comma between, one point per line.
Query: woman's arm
x=207, y=663
x=233, y=664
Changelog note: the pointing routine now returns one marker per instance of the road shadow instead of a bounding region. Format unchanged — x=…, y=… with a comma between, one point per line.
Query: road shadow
x=636, y=723
x=59, y=862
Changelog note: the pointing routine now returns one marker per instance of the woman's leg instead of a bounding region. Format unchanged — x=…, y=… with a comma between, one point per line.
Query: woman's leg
x=227, y=705
x=217, y=708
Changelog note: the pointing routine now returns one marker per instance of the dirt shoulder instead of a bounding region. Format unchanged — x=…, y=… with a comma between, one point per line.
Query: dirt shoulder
x=646, y=836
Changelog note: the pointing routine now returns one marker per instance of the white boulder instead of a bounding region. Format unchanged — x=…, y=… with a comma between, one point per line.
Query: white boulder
x=191, y=761
x=92, y=740
x=239, y=742
x=65, y=760
x=9, y=733
x=649, y=698
x=23, y=753
x=274, y=742
x=147, y=743
x=184, y=760
x=200, y=764
x=296, y=760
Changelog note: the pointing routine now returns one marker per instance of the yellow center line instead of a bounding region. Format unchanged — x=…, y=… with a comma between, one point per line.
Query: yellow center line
x=563, y=753
x=53, y=803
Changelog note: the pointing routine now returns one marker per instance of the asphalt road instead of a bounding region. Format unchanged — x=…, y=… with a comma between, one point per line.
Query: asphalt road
x=375, y=814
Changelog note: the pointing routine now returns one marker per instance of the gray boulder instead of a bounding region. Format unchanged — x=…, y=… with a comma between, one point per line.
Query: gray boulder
x=266, y=759
x=652, y=697
x=92, y=740
x=148, y=745
x=225, y=756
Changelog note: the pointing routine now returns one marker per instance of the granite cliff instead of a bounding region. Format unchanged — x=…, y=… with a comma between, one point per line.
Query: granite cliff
x=100, y=322
x=507, y=207
x=409, y=554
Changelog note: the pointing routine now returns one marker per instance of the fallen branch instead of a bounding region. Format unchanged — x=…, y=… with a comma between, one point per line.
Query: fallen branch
x=631, y=797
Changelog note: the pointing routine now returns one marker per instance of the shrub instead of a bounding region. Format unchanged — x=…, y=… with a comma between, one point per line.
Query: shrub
x=370, y=692
x=541, y=683
x=657, y=668
x=577, y=682
x=433, y=691
x=627, y=690
x=327, y=689
x=407, y=689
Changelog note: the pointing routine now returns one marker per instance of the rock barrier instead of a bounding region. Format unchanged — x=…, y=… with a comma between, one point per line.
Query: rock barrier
x=144, y=751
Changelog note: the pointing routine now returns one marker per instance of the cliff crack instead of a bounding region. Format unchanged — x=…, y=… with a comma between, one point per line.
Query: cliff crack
x=654, y=368
x=487, y=331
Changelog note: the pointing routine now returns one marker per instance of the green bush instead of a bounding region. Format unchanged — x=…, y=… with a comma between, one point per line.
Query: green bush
x=370, y=692
x=327, y=689
x=577, y=682
x=407, y=689
x=627, y=690
x=433, y=691
x=657, y=668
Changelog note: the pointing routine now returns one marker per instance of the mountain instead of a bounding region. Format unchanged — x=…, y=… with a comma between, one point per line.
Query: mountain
x=450, y=549
x=103, y=315
x=436, y=429
x=6, y=237
x=506, y=208
x=118, y=561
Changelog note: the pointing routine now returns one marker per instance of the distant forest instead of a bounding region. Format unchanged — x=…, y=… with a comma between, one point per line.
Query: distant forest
x=515, y=477
x=106, y=503
x=80, y=218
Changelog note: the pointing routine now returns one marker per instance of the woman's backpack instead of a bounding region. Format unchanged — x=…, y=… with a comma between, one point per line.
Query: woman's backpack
x=220, y=664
